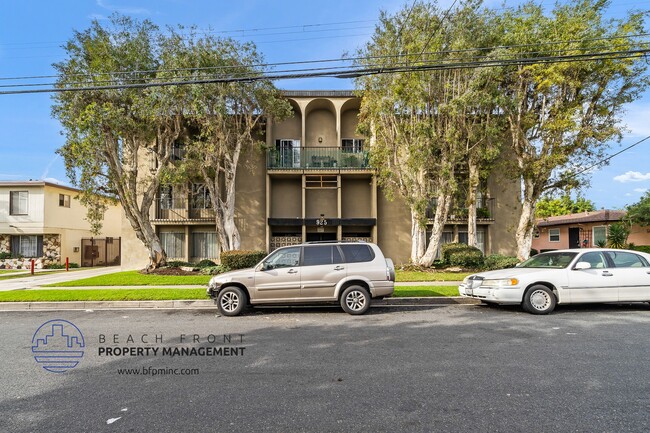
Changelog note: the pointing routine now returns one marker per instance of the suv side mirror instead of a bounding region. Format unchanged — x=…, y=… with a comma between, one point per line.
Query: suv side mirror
x=582, y=265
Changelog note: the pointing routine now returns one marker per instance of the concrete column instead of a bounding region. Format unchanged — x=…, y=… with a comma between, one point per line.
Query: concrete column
x=339, y=212
x=268, y=212
x=373, y=207
x=186, y=247
x=304, y=207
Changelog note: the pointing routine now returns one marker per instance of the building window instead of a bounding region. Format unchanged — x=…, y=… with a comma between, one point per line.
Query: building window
x=27, y=246
x=204, y=245
x=200, y=197
x=166, y=197
x=599, y=235
x=64, y=200
x=554, y=235
x=178, y=151
x=18, y=201
x=173, y=244
x=352, y=145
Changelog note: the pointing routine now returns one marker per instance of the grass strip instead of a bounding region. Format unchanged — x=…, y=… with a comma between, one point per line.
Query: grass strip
x=102, y=295
x=162, y=294
x=420, y=276
x=135, y=278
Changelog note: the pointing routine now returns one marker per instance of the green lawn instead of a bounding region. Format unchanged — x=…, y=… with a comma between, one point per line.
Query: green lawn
x=430, y=276
x=126, y=294
x=135, y=278
x=101, y=295
x=9, y=271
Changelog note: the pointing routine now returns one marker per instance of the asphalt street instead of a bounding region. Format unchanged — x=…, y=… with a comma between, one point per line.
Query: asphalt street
x=461, y=368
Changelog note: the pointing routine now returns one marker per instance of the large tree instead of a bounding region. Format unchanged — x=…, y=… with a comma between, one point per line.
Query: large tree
x=639, y=212
x=563, y=205
x=563, y=114
x=117, y=143
x=419, y=129
x=225, y=119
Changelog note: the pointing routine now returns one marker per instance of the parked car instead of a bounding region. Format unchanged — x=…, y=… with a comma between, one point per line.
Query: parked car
x=350, y=273
x=565, y=277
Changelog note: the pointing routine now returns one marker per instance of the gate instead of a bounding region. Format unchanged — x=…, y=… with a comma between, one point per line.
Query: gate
x=100, y=252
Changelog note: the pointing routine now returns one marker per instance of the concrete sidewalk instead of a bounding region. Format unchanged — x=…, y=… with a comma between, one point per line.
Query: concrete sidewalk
x=206, y=304
x=39, y=279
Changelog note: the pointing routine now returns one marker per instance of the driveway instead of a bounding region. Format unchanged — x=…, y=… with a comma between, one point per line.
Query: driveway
x=39, y=279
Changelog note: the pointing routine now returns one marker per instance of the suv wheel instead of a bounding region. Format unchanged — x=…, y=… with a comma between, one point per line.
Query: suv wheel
x=231, y=301
x=355, y=300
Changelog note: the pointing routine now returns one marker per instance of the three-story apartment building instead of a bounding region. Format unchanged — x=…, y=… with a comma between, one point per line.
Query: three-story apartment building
x=314, y=182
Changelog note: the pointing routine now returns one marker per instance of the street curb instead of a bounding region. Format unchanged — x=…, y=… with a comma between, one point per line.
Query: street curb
x=199, y=304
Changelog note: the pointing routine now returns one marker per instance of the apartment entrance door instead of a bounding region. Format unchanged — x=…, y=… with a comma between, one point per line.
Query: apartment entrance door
x=316, y=237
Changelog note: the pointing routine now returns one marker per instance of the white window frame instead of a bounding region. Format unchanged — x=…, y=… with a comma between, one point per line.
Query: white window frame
x=554, y=232
x=352, y=145
x=594, y=241
x=20, y=200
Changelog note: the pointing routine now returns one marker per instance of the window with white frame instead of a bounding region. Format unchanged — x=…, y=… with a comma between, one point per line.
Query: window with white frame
x=554, y=235
x=352, y=145
x=204, y=245
x=599, y=235
x=27, y=246
x=200, y=197
x=18, y=202
x=174, y=244
x=64, y=200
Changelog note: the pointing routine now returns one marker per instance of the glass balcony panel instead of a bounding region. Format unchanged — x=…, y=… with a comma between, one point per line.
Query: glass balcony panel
x=316, y=158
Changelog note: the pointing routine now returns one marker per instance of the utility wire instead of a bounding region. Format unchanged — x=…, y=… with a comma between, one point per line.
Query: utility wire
x=604, y=160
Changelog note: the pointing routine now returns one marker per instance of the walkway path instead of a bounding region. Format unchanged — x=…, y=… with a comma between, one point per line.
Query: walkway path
x=30, y=281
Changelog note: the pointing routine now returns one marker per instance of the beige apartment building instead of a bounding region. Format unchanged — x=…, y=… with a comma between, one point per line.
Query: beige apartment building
x=45, y=222
x=314, y=183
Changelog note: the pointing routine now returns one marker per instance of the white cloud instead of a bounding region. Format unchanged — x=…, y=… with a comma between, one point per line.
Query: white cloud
x=632, y=176
x=641, y=190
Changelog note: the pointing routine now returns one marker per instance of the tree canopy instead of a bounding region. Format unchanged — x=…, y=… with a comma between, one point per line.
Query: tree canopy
x=563, y=205
x=639, y=212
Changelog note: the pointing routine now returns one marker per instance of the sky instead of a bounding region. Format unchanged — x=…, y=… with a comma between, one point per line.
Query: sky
x=32, y=33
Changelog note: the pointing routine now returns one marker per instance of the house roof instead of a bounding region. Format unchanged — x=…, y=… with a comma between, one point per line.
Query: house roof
x=24, y=183
x=604, y=215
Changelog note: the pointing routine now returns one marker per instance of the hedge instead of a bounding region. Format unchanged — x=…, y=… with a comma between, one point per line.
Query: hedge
x=642, y=248
x=463, y=255
x=497, y=261
x=239, y=259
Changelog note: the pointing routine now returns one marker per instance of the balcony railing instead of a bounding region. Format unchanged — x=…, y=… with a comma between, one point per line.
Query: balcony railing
x=178, y=209
x=316, y=158
x=484, y=211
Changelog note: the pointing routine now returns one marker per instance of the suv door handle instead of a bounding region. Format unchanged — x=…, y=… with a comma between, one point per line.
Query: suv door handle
x=607, y=274
x=292, y=271
x=339, y=268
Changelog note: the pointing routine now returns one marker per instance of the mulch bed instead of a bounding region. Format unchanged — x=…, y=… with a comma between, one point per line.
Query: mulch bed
x=170, y=271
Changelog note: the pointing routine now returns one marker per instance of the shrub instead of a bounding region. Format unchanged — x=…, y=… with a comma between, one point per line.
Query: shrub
x=462, y=255
x=497, y=261
x=205, y=263
x=5, y=255
x=533, y=252
x=214, y=270
x=642, y=248
x=61, y=266
x=239, y=259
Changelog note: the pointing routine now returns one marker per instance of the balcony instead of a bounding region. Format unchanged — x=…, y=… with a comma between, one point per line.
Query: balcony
x=484, y=212
x=177, y=209
x=316, y=158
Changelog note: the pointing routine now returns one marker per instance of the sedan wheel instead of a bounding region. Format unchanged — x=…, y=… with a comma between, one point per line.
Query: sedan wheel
x=539, y=300
x=355, y=300
x=231, y=301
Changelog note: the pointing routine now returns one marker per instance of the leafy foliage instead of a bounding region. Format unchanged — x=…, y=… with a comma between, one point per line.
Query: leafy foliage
x=497, y=261
x=639, y=212
x=564, y=205
x=239, y=259
x=617, y=234
x=457, y=254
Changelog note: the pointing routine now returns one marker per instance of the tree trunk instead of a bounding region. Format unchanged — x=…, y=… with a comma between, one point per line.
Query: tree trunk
x=418, y=238
x=524, y=234
x=471, y=203
x=439, y=221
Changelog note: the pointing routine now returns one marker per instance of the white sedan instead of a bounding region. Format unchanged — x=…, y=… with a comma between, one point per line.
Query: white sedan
x=565, y=277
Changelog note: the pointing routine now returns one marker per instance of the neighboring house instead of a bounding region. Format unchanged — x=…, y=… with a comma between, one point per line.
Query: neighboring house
x=582, y=230
x=314, y=183
x=43, y=221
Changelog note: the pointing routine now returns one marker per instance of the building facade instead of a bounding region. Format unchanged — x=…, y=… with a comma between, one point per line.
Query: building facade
x=583, y=230
x=313, y=182
x=45, y=222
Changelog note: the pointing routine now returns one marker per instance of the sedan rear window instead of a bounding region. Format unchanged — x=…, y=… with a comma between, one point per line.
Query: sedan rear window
x=627, y=260
x=357, y=253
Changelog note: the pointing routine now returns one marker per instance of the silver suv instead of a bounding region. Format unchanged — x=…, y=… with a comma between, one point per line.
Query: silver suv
x=350, y=273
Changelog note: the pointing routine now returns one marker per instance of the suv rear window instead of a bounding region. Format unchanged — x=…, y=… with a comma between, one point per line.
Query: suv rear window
x=357, y=253
x=321, y=255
